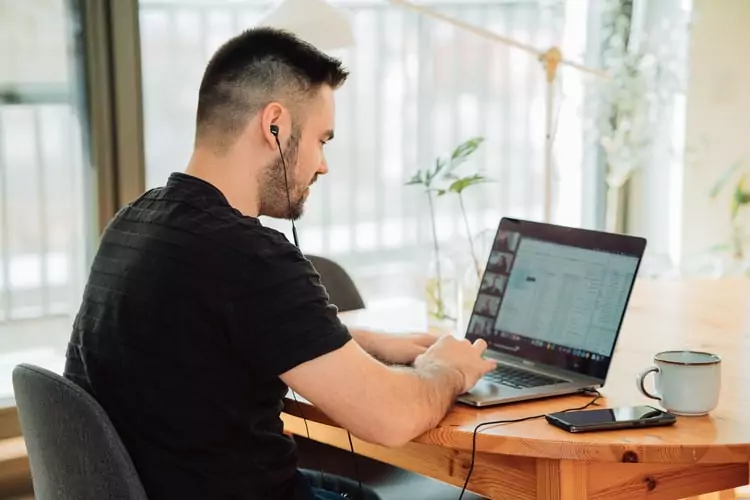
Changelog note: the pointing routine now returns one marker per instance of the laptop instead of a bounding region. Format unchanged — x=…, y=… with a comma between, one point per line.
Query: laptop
x=550, y=306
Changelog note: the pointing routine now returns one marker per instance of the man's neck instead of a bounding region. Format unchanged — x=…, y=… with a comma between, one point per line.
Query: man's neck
x=238, y=185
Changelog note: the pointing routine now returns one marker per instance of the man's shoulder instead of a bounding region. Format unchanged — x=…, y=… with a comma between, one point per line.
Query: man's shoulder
x=197, y=225
x=214, y=222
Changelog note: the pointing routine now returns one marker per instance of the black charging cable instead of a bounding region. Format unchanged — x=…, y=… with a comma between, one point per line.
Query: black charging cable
x=597, y=396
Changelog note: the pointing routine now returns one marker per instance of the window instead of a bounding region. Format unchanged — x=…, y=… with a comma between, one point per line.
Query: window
x=44, y=195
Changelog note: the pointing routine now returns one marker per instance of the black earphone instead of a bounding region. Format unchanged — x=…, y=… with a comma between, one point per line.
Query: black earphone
x=275, y=132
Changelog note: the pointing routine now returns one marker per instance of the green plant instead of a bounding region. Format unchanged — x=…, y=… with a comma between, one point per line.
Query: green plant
x=459, y=184
x=740, y=198
x=425, y=178
x=429, y=179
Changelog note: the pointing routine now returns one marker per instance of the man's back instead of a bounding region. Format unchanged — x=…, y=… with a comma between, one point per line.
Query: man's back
x=191, y=313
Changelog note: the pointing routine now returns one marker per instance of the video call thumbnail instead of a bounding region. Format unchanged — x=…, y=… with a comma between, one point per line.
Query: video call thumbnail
x=487, y=305
x=500, y=262
x=506, y=241
x=493, y=283
x=479, y=326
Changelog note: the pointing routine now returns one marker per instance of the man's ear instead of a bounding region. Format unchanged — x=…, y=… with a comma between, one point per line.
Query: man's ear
x=274, y=114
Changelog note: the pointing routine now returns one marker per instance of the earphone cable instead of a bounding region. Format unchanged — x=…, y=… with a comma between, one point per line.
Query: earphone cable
x=356, y=465
x=597, y=396
x=286, y=184
x=275, y=132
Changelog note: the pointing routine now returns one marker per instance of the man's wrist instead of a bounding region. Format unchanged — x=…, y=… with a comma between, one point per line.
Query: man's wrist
x=445, y=374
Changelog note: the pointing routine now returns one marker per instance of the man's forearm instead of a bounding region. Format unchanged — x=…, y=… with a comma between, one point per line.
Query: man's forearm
x=366, y=339
x=426, y=393
x=442, y=385
x=419, y=396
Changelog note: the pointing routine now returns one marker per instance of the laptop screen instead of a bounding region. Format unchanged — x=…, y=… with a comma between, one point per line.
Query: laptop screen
x=556, y=295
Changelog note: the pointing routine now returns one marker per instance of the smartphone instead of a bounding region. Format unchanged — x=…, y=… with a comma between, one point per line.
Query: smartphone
x=628, y=417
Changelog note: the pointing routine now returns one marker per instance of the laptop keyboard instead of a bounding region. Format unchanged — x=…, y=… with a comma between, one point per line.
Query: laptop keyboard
x=520, y=379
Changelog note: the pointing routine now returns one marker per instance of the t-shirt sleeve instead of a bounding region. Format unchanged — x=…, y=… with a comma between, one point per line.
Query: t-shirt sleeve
x=283, y=317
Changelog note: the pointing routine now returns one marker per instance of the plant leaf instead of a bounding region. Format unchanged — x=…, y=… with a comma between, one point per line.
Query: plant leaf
x=724, y=178
x=466, y=149
x=741, y=197
x=416, y=179
x=720, y=247
x=443, y=168
x=462, y=183
x=440, y=164
x=463, y=152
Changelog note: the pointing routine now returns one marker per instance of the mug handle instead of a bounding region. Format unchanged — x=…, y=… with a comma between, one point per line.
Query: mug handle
x=641, y=382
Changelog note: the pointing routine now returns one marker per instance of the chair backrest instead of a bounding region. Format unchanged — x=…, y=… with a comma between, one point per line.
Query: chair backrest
x=74, y=450
x=340, y=286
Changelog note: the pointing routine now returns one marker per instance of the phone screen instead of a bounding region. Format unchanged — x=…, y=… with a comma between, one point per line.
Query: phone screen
x=609, y=415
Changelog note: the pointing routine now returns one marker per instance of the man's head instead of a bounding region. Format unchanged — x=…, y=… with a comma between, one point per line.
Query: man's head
x=266, y=77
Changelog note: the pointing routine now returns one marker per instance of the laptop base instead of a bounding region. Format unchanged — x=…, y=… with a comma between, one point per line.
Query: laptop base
x=493, y=394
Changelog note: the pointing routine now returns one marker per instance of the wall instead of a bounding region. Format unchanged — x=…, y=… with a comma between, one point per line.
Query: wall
x=718, y=117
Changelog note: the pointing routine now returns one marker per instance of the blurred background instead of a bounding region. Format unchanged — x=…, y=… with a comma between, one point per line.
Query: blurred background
x=98, y=98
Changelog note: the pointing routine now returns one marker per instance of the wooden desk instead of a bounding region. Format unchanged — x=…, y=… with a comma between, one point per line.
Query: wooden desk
x=533, y=460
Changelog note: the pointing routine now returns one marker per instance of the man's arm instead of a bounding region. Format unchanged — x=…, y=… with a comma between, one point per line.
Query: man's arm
x=401, y=348
x=296, y=334
x=388, y=405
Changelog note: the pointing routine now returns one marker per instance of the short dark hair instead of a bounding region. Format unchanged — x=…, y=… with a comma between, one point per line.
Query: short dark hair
x=254, y=68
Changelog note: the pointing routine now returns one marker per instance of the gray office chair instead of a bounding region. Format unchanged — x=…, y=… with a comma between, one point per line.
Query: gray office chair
x=340, y=286
x=74, y=450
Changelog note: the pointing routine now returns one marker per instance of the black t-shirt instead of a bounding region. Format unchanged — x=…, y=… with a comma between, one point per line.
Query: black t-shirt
x=190, y=314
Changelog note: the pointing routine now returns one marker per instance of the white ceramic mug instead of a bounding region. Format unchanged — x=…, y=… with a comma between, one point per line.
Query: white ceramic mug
x=686, y=382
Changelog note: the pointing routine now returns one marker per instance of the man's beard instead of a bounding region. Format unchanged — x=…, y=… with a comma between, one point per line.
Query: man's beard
x=275, y=199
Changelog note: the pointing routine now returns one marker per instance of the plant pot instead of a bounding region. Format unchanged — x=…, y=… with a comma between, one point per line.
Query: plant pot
x=441, y=294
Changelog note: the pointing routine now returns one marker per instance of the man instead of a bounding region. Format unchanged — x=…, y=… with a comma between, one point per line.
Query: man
x=196, y=318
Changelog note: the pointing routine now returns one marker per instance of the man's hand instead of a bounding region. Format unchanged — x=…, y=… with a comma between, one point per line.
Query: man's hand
x=461, y=356
x=400, y=349
x=389, y=405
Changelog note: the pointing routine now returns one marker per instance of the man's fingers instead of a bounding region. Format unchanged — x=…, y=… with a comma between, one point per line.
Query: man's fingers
x=418, y=349
x=426, y=339
x=489, y=365
x=480, y=345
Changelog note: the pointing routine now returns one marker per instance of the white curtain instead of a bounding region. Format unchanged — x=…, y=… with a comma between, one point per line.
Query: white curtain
x=418, y=88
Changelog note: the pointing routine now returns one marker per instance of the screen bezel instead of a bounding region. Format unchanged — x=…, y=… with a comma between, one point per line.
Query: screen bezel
x=576, y=237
